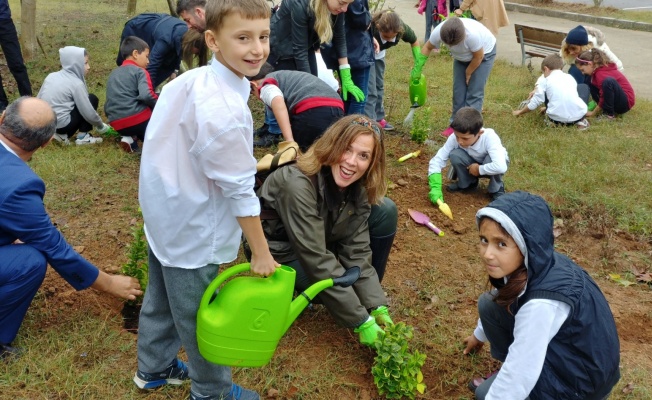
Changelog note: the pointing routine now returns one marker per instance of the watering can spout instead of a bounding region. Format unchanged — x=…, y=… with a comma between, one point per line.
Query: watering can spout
x=347, y=279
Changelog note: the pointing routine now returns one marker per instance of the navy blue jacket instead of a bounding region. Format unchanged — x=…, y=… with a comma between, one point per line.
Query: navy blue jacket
x=582, y=360
x=5, y=11
x=23, y=216
x=163, y=33
x=359, y=42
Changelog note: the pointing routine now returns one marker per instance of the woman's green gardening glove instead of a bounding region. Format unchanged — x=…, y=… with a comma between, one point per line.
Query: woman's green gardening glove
x=419, y=62
x=347, y=84
x=434, y=180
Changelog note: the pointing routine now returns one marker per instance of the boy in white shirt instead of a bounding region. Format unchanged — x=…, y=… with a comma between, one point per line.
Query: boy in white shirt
x=196, y=194
x=474, y=152
x=565, y=100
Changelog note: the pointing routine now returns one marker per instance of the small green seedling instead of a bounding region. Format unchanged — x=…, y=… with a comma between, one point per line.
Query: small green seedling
x=421, y=126
x=397, y=372
x=137, y=266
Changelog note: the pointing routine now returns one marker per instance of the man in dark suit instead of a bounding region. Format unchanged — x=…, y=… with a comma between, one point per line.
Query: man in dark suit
x=28, y=239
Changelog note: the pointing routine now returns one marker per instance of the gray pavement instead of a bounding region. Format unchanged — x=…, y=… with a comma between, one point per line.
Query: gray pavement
x=631, y=46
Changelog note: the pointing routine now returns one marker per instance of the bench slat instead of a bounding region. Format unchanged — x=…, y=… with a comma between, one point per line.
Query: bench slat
x=545, y=41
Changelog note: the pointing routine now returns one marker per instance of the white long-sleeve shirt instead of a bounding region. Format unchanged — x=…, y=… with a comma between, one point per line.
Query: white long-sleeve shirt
x=488, y=144
x=564, y=104
x=197, y=168
x=535, y=324
x=477, y=37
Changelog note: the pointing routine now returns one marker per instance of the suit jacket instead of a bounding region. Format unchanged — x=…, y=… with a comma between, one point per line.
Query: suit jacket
x=23, y=216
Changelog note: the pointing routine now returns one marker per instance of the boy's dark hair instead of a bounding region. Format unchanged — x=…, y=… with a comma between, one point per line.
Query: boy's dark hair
x=264, y=70
x=467, y=120
x=131, y=43
x=552, y=62
x=218, y=10
x=187, y=5
x=388, y=21
x=452, y=32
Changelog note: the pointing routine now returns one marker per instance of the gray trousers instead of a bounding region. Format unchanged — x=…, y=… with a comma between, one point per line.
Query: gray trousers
x=376, y=91
x=460, y=160
x=168, y=320
x=471, y=95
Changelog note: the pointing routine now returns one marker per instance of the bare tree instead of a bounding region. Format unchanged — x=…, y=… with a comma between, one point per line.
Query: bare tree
x=131, y=7
x=173, y=8
x=28, y=28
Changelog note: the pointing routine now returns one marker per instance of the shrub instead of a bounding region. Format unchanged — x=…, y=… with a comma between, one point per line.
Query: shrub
x=137, y=266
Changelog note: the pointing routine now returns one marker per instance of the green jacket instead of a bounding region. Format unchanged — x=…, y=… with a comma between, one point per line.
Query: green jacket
x=326, y=231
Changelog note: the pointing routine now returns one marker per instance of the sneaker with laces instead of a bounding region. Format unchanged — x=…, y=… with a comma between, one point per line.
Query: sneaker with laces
x=262, y=131
x=582, y=124
x=606, y=117
x=496, y=195
x=454, y=187
x=386, y=125
x=447, y=132
x=237, y=393
x=174, y=374
x=369, y=332
x=61, y=138
x=267, y=140
x=381, y=315
x=86, y=138
x=126, y=144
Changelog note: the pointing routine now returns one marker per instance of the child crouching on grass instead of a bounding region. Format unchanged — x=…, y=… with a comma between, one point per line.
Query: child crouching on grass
x=609, y=87
x=565, y=100
x=545, y=318
x=130, y=96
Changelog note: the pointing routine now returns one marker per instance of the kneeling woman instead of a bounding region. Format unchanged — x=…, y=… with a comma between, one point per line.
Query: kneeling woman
x=323, y=204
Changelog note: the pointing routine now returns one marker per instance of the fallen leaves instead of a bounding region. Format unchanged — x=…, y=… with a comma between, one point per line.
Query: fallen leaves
x=620, y=280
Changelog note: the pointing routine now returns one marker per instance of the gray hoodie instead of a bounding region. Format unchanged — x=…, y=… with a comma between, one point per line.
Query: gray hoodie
x=66, y=88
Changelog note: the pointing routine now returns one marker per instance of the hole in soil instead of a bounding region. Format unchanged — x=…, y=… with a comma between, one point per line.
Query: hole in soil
x=130, y=314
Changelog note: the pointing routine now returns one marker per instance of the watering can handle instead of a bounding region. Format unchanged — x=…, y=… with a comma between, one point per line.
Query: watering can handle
x=226, y=274
x=348, y=278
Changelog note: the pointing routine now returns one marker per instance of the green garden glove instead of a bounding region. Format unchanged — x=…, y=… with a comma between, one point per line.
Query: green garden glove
x=348, y=86
x=416, y=50
x=419, y=62
x=434, y=180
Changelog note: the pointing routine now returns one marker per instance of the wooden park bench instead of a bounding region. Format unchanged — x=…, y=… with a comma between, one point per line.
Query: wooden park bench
x=537, y=42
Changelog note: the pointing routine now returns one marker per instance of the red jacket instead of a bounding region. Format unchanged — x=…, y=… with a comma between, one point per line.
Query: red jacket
x=611, y=70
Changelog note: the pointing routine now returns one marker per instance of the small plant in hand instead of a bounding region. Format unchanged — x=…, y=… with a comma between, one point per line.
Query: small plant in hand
x=397, y=371
x=111, y=134
x=421, y=126
x=137, y=266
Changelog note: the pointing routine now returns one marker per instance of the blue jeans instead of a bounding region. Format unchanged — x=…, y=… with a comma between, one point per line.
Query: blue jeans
x=471, y=95
x=272, y=124
x=359, y=76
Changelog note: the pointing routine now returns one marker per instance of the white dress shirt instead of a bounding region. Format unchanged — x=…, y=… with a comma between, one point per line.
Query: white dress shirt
x=197, y=168
x=564, y=104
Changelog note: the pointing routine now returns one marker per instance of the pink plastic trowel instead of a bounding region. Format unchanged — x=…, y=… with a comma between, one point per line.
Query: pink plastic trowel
x=421, y=218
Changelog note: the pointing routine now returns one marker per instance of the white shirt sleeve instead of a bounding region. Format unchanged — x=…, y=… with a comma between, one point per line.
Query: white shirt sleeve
x=535, y=324
x=268, y=93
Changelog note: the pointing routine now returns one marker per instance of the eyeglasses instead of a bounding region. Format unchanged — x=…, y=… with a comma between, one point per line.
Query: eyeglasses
x=372, y=126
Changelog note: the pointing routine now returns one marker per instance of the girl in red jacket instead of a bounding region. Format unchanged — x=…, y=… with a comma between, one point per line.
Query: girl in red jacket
x=609, y=87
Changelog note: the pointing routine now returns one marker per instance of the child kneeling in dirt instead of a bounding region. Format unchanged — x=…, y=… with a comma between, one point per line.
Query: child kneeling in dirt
x=474, y=152
x=130, y=96
x=546, y=319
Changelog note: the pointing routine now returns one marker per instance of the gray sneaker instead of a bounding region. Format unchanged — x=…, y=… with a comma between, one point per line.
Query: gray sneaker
x=86, y=138
x=236, y=393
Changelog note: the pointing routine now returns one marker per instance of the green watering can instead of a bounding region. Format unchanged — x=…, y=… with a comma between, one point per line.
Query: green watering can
x=241, y=325
x=418, y=91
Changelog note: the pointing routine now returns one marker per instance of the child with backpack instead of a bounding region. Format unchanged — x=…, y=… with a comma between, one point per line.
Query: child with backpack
x=388, y=30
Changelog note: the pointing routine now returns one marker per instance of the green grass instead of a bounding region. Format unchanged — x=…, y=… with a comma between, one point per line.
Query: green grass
x=598, y=178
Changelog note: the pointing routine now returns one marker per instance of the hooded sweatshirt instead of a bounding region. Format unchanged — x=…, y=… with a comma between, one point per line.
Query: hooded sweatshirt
x=66, y=88
x=611, y=71
x=582, y=358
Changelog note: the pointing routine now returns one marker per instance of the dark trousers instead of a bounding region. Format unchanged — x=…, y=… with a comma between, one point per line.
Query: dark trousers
x=614, y=99
x=136, y=130
x=22, y=269
x=460, y=161
x=77, y=122
x=359, y=76
x=309, y=125
x=11, y=50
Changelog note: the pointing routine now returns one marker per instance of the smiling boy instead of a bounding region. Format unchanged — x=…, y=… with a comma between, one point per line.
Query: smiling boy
x=474, y=152
x=196, y=194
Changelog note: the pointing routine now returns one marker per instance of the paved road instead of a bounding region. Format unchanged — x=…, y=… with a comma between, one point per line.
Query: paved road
x=632, y=47
x=642, y=5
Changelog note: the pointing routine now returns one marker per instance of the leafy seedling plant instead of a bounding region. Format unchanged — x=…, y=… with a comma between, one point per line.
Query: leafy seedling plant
x=397, y=371
x=421, y=126
x=137, y=266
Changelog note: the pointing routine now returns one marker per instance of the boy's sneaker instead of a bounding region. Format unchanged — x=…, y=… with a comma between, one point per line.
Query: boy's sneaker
x=267, y=140
x=262, y=131
x=174, y=374
x=236, y=393
x=369, y=332
x=381, y=315
x=86, y=138
x=606, y=117
x=61, y=138
x=126, y=144
x=386, y=125
x=496, y=195
x=447, y=132
x=454, y=187
x=583, y=124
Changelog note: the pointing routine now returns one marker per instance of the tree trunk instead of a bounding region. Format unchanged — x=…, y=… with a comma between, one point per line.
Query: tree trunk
x=28, y=28
x=131, y=7
x=173, y=8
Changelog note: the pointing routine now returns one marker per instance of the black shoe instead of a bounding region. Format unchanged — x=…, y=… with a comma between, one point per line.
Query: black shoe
x=497, y=194
x=267, y=140
x=262, y=131
x=453, y=187
x=7, y=352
